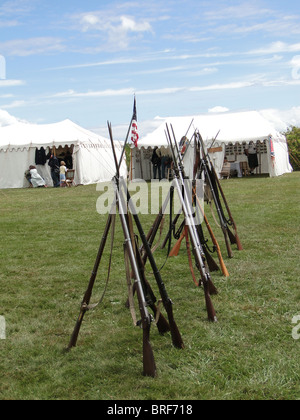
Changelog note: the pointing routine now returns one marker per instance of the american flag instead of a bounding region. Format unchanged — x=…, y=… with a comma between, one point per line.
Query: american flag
x=134, y=132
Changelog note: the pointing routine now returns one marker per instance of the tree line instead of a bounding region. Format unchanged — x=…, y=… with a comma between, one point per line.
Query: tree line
x=293, y=139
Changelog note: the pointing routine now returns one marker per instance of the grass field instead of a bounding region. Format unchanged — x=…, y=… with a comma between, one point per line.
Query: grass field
x=49, y=241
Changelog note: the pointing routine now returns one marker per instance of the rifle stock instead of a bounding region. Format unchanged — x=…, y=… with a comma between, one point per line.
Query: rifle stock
x=231, y=236
x=212, y=265
x=175, y=250
x=149, y=367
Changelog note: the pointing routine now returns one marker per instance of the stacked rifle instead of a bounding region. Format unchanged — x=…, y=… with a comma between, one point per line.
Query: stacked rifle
x=135, y=257
x=133, y=260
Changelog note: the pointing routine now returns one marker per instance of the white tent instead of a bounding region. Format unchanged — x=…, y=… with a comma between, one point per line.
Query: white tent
x=92, y=155
x=235, y=131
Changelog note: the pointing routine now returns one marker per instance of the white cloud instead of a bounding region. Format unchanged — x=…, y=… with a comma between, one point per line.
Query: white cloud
x=282, y=119
x=89, y=21
x=218, y=109
x=93, y=94
x=31, y=46
x=7, y=119
x=128, y=24
x=15, y=104
x=117, y=92
x=8, y=23
x=11, y=83
x=275, y=48
x=223, y=86
x=244, y=10
x=115, y=31
x=246, y=18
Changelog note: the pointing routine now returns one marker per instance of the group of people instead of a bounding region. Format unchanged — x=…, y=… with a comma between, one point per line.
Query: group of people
x=160, y=164
x=58, y=174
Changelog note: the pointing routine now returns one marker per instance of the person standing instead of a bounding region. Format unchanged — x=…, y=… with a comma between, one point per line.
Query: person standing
x=63, y=171
x=156, y=162
x=55, y=170
x=251, y=152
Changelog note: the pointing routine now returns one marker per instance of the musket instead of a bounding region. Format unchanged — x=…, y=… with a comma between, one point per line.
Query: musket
x=149, y=367
x=208, y=176
x=88, y=294
x=154, y=228
x=234, y=239
x=167, y=302
x=189, y=143
x=188, y=214
x=147, y=254
x=198, y=229
x=209, y=259
x=213, y=238
x=161, y=323
x=142, y=256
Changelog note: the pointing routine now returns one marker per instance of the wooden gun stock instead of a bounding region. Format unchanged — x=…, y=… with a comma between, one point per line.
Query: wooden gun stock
x=149, y=366
x=209, y=306
x=175, y=250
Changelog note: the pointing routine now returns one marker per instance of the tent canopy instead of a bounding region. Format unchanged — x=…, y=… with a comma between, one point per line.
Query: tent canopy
x=234, y=127
x=65, y=133
x=230, y=128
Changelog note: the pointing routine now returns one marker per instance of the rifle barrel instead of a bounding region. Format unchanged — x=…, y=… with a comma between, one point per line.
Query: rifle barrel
x=188, y=214
x=176, y=336
x=149, y=367
x=217, y=202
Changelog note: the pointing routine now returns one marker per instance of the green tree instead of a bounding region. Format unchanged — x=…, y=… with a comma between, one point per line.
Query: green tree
x=293, y=139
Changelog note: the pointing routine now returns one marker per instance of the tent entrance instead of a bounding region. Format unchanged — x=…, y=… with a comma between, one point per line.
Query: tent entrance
x=65, y=154
x=235, y=152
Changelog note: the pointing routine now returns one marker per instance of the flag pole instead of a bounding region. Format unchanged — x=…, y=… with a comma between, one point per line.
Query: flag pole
x=134, y=135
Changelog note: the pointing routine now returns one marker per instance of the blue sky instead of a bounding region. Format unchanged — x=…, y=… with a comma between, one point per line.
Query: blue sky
x=85, y=60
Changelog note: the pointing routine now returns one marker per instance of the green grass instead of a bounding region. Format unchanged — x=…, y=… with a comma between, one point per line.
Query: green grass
x=49, y=241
